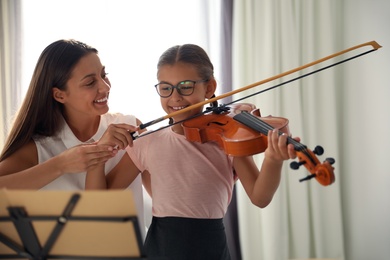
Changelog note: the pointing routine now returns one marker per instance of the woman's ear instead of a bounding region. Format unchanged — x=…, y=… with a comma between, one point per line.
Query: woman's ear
x=58, y=95
x=211, y=87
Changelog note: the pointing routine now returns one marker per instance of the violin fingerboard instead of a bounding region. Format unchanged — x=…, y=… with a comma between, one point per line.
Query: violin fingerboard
x=263, y=127
x=253, y=122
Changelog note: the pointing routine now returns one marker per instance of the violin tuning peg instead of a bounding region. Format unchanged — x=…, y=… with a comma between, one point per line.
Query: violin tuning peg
x=318, y=150
x=296, y=165
x=308, y=177
x=331, y=161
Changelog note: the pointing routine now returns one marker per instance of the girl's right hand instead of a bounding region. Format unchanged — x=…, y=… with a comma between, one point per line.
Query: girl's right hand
x=118, y=136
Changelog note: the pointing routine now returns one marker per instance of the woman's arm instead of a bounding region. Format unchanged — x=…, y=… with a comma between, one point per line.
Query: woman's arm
x=21, y=170
x=96, y=178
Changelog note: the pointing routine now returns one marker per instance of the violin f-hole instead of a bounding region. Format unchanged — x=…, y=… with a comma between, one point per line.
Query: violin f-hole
x=217, y=123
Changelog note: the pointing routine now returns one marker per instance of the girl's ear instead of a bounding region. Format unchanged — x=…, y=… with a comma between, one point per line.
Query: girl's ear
x=211, y=87
x=58, y=95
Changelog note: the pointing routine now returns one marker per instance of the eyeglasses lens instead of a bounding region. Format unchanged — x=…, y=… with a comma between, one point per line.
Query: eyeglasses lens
x=184, y=88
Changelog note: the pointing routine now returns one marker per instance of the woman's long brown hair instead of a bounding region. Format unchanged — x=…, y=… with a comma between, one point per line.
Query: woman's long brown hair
x=40, y=113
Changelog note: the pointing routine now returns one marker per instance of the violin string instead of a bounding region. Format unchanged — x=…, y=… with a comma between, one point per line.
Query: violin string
x=297, y=145
x=263, y=127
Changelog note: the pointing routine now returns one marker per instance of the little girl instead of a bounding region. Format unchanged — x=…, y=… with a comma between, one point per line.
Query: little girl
x=191, y=183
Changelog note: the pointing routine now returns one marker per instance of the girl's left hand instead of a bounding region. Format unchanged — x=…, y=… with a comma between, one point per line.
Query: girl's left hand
x=278, y=149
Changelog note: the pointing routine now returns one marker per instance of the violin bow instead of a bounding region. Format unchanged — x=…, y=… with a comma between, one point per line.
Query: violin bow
x=375, y=46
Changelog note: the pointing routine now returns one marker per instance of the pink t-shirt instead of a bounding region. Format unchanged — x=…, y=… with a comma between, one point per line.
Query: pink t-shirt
x=189, y=179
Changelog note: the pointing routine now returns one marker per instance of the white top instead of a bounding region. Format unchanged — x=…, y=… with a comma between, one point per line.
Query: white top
x=51, y=146
x=189, y=179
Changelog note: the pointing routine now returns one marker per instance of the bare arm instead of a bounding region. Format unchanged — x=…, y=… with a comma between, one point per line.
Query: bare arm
x=22, y=171
x=261, y=186
x=123, y=174
x=146, y=181
x=96, y=178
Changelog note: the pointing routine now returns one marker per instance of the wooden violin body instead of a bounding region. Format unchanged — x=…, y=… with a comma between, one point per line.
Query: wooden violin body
x=233, y=137
x=241, y=131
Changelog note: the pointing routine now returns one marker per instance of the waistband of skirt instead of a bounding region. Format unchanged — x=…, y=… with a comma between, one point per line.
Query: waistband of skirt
x=194, y=222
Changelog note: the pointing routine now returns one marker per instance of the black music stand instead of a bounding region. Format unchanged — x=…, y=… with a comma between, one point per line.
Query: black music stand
x=43, y=225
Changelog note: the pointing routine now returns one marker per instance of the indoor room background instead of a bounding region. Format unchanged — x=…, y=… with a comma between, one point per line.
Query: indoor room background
x=345, y=108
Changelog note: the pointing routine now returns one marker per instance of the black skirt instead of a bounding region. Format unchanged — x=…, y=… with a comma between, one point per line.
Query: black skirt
x=174, y=238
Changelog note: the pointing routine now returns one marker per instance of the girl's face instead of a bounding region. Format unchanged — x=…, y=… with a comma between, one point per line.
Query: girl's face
x=87, y=89
x=173, y=74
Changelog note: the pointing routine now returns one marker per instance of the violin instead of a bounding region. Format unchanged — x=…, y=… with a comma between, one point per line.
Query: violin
x=240, y=130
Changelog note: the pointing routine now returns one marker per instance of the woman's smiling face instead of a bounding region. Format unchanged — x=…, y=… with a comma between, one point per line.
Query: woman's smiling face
x=87, y=89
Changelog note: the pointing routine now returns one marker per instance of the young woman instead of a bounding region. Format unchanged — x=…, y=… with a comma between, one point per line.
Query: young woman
x=191, y=183
x=52, y=142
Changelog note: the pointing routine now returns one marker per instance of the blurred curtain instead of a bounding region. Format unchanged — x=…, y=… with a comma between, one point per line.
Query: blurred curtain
x=231, y=218
x=10, y=62
x=304, y=219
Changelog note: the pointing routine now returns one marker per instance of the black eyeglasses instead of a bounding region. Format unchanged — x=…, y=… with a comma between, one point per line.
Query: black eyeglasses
x=185, y=88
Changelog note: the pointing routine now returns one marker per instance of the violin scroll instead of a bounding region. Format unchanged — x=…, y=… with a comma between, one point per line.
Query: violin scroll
x=322, y=172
